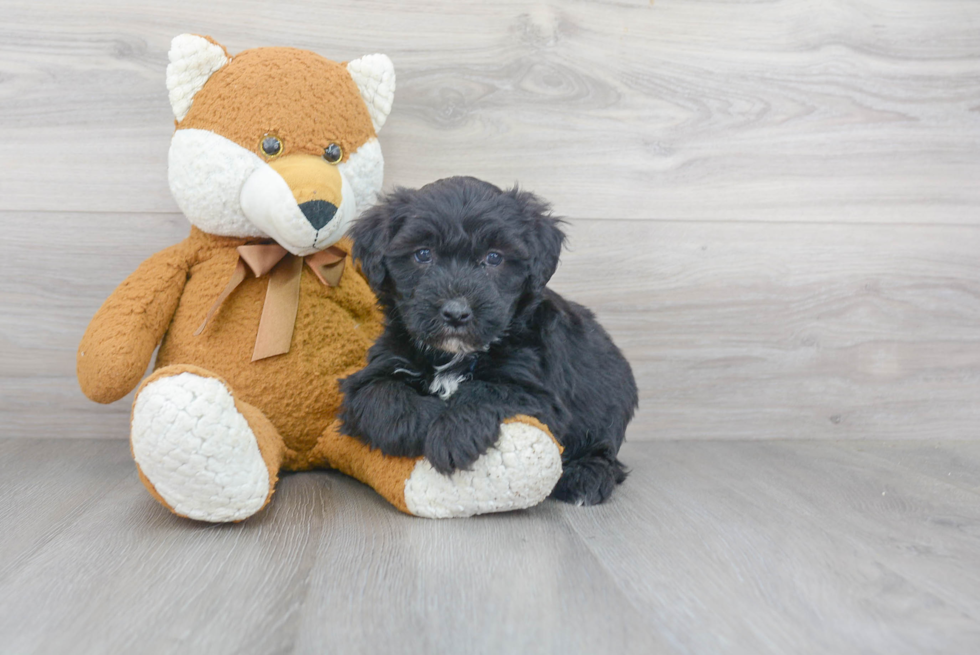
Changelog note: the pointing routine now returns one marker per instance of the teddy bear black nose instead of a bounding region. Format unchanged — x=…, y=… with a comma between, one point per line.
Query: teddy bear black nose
x=318, y=212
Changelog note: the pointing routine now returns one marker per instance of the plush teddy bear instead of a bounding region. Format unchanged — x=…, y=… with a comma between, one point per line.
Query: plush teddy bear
x=260, y=310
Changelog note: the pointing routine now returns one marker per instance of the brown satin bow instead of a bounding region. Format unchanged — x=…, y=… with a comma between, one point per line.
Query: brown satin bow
x=282, y=296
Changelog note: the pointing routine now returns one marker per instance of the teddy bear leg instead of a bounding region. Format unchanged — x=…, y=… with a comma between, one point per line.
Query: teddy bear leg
x=202, y=453
x=519, y=471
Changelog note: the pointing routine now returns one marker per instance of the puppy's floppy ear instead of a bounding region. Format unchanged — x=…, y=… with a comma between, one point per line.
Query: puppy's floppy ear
x=543, y=234
x=372, y=234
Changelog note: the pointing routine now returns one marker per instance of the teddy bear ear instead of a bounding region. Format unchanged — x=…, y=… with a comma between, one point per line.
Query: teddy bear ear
x=193, y=59
x=375, y=79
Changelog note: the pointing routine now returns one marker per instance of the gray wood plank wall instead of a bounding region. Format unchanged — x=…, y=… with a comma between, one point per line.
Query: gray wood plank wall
x=775, y=205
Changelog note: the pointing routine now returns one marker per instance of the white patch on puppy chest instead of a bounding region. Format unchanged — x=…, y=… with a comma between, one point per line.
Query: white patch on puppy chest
x=445, y=386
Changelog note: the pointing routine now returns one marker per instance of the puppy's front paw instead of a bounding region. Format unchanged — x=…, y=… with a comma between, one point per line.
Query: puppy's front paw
x=457, y=439
x=390, y=417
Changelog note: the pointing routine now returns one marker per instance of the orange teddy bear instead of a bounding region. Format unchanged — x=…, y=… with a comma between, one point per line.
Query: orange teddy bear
x=260, y=310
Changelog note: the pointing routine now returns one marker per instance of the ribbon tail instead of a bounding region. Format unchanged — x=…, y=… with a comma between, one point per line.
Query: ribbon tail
x=236, y=278
x=328, y=265
x=279, y=310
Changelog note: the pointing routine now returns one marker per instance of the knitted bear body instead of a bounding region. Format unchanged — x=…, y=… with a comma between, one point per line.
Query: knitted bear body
x=334, y=328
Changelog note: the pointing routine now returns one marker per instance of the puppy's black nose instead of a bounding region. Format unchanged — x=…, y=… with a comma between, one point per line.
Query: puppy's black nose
x=457, y=312
x=318, y=212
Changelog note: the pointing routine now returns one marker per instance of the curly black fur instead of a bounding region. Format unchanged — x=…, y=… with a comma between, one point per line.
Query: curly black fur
x=472, y=338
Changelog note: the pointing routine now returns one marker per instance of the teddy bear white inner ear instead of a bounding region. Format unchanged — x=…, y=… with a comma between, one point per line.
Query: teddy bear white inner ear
x=193, y=59
x=375, y=79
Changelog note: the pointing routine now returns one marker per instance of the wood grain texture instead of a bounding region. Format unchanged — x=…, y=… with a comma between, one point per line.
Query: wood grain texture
x=501, y=583
x=826, y=152
x=734, y=330
x=754, y=548
x=57, y=270
x=832, y=110
x=755, y=330
x=959, y=466
x=30, y=513
x=792, y=547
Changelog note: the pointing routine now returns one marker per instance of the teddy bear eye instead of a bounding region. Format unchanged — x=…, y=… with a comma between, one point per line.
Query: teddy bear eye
x=333, y=153
x=494, y=258
x=271, y=146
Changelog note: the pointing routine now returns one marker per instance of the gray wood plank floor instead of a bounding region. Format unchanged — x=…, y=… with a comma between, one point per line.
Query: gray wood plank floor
x=709, y=547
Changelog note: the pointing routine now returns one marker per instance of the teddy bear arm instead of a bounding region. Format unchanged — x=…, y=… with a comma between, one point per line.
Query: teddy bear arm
x=119, y=342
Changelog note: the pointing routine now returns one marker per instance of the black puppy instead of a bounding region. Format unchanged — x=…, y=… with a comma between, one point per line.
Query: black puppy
x=473, y=336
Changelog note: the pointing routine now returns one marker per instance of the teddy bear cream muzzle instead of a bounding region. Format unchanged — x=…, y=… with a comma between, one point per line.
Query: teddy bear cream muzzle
x=317, y=186
x=300, y=201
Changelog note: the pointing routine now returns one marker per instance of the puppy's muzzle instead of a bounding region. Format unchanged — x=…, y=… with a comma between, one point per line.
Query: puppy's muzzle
x=316, y=186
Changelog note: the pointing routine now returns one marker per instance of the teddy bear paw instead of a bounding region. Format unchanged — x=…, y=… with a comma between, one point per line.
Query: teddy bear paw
x=197, y=450
x=518, y=472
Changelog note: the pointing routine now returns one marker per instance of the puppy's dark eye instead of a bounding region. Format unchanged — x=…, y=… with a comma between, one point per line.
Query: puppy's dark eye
x=271, y=146
x=494, y=259
x=423, y=255
x=333, y=153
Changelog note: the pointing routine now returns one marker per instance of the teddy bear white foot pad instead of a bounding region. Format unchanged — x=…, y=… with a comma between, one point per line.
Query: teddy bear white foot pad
x=198, y=450
x=518, y=472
